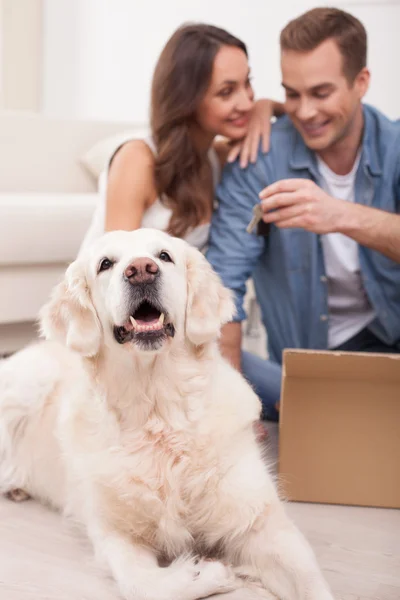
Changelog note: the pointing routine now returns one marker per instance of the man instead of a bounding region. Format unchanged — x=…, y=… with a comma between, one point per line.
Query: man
x=326, y=274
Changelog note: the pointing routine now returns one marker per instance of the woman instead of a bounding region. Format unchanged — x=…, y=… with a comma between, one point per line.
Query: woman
x=201, y=89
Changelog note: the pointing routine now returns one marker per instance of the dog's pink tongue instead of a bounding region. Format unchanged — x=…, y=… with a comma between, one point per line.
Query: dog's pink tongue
x=144, y=322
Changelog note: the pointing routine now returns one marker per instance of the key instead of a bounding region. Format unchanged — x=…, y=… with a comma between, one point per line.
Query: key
x=257, y=216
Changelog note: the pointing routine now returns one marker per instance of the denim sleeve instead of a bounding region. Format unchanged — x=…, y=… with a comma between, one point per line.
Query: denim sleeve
x=233, y=252
x=397, y=188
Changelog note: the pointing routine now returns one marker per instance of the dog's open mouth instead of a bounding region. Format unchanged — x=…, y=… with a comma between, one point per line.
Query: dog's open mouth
x=147, y=324
x=146, y=318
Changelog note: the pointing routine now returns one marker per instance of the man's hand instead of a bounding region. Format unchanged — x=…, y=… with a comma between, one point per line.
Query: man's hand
x=301, y=203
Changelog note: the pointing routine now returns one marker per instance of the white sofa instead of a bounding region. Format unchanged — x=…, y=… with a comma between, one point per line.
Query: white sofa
x=47, y=197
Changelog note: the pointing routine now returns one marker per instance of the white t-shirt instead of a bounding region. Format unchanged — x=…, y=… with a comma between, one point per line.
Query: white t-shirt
x=348, y=304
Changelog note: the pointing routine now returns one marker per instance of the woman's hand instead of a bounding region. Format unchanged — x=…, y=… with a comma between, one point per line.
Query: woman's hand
x=259, y=130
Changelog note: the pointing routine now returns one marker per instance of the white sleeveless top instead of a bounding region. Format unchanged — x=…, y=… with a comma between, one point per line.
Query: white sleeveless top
x=157, y=216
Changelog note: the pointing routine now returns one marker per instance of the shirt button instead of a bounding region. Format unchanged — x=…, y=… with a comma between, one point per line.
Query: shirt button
x=323, y=318
x=323, y=278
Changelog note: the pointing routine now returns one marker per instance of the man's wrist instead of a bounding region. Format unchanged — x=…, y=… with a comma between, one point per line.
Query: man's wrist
x=363, y=223
x=349, y=219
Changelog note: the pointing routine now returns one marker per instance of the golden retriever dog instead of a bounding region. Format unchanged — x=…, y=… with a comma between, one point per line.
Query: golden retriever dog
x=128, y=419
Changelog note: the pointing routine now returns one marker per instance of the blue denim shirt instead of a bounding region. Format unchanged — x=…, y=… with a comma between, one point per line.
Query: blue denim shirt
x=288, y=265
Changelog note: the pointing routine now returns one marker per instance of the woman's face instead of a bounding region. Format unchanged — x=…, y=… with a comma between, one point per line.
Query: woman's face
x=226, y=105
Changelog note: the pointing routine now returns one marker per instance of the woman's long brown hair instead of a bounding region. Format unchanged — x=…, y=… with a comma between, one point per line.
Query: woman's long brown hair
x=181, y=78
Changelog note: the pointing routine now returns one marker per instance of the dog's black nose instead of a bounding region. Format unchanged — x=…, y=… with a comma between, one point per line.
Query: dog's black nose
x=141, y=270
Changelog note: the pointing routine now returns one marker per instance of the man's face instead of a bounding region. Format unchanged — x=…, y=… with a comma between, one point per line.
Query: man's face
x=320, y=101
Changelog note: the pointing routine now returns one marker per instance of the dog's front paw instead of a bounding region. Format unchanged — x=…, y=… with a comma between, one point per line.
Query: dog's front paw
x=17, y=495
x=213, y=577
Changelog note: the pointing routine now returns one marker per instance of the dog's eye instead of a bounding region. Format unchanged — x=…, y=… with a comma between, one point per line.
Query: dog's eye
x=104, y=265
x=165, y=257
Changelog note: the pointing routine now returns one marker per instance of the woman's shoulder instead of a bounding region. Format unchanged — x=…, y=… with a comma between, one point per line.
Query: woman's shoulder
x=131, y=173
x=137, y=152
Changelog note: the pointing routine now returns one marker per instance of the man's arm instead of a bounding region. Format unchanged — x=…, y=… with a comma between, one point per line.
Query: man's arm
x=301, y=203
x=374, y=228
x=232, y=251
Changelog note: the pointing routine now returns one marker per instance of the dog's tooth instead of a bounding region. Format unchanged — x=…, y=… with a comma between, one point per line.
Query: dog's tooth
x=161, y=319
x=132, y=320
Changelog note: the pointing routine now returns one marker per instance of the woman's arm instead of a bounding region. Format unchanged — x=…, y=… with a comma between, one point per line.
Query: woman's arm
x=131, y=187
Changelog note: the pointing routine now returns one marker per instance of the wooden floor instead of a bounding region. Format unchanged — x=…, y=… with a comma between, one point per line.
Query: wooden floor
x=43, y=558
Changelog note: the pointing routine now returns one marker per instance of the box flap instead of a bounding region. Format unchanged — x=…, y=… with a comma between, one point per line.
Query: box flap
x=319, y=364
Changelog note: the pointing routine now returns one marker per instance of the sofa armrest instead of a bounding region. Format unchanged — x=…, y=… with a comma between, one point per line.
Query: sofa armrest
x=43, y=228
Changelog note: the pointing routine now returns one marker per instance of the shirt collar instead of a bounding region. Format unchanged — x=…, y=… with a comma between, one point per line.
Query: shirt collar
x=302, y=157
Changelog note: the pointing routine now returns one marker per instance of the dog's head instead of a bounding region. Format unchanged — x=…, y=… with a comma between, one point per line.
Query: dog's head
x=142, y=290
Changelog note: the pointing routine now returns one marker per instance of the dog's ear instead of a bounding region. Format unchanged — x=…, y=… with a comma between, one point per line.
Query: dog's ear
x=209, y=303
x=70, y=316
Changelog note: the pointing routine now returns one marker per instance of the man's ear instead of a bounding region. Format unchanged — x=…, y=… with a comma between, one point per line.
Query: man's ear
x=209, y=303
x=70, y=316
x=362, y=82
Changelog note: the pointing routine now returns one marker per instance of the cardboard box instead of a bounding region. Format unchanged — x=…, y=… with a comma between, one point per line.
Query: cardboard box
x=340, y=428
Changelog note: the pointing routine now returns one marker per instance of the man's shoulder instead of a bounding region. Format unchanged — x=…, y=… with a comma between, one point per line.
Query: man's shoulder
x=379, y=116
x=282, y=130
x=284, y=138
x=381, y=141
x=378, y=124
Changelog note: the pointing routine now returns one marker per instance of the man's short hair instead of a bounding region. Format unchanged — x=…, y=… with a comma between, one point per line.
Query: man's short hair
x=320, y=24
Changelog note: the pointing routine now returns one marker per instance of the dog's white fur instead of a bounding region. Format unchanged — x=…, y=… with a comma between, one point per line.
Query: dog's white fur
x=153, y=452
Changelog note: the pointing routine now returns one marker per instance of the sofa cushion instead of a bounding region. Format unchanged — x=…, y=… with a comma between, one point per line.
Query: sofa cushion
x=43, y=228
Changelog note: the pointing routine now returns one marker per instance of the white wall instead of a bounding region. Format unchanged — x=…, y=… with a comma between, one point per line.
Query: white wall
x=382, y=21
x=62, y=46
x=99, y=54
x=21, y=54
